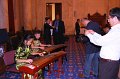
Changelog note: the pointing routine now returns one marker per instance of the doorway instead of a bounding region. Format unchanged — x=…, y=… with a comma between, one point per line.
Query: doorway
x=52, y=9
x=11, y=17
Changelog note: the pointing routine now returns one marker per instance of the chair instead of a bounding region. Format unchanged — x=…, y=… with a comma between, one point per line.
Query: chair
x=100, y=19
x=10, y=61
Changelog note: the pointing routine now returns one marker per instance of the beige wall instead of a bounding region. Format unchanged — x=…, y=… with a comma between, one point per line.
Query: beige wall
x=31, y=13
x=74, y=9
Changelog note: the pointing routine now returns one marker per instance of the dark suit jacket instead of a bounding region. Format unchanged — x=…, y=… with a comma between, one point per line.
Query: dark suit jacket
x=58, y=37
x=90, y=47
x=47, y=33
x=61, y=27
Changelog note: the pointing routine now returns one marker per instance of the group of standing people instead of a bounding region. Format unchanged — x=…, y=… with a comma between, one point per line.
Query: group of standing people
x=102, y=50
x=110, y=48
x=58, y=30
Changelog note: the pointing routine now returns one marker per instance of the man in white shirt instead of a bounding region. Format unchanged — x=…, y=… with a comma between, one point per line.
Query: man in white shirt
x=110, y=46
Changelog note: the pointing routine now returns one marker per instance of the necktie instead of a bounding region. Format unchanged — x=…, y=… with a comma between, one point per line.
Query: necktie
x=56, y=26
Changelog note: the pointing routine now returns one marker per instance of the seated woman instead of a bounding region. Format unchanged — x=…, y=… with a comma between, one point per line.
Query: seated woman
x=37, y=46
x=23, y=52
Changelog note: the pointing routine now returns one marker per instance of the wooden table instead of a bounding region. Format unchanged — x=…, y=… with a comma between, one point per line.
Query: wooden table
x=42, y=62
x=55, y=48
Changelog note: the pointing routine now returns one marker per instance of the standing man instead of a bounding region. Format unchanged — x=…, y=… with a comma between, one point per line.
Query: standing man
x=92, y=51
x=77, y=28
x=58, y=31
x=110, y=46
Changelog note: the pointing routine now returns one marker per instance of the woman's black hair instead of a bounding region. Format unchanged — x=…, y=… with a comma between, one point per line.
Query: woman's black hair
x=26, y=37
x=115, y=12
x=36, y=32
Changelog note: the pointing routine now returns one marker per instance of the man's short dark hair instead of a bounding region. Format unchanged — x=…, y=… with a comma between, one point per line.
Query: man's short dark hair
x=78, y=19
x=46, y=18
x=115, y=12
x=84, y=19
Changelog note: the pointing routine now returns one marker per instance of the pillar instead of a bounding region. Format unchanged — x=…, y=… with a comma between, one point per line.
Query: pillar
x=16, y=7
x=27, y=14
x=4, y=23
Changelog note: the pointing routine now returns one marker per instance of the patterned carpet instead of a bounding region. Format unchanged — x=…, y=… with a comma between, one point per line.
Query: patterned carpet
x=72, y=67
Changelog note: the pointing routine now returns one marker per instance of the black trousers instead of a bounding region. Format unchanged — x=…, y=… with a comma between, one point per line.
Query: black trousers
x=47, y=38
x=108, y=69
x=58, y=38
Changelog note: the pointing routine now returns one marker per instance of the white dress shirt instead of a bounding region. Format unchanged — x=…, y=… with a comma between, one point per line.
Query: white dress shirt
x=110, y=43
